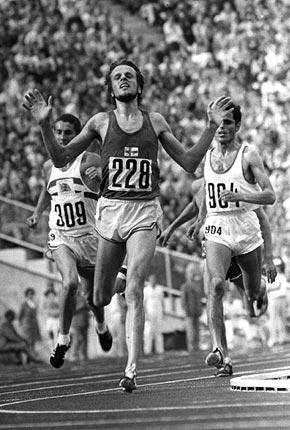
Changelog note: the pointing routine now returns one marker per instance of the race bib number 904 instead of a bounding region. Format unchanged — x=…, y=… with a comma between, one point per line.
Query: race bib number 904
x=130, y=174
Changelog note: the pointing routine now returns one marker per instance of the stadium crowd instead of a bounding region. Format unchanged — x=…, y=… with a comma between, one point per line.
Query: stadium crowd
x=208, y=48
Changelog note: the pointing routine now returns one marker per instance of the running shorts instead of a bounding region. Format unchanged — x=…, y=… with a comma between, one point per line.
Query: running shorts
x=238, y=231
x=83, y=247
x=116, y=220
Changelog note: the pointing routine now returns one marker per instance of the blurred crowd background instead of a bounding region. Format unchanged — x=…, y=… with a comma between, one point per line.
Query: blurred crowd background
x=203, y=49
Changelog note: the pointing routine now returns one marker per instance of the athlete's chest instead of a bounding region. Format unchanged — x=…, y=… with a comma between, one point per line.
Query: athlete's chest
x=221, y=163
x=129, y=123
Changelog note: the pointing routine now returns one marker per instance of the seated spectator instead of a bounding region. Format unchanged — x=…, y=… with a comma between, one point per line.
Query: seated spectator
x=13, y=347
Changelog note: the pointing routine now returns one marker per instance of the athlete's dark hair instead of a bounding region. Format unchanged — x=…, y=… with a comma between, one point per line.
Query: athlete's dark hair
x=68, y=117
x=237, y=114
x=140, y=78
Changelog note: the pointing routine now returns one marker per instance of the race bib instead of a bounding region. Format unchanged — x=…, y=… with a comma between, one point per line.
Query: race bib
x=130, y=174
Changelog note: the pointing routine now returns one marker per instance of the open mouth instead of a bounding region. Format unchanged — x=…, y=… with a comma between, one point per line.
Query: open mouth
x=124, y=85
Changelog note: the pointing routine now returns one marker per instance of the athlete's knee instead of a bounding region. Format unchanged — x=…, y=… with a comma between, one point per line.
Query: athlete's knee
x=217, y=286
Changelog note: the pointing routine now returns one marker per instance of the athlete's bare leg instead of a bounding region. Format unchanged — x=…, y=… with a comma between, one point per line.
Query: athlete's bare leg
x=218, y=259
x=87, y=280
x=110, y=256
x=66, y=264
x=140, y=251
x=251, y=267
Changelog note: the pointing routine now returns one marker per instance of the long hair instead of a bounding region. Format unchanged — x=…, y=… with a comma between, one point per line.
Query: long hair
x=139, y=76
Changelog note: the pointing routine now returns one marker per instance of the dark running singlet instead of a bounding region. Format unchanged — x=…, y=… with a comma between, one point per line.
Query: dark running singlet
x=129, y=162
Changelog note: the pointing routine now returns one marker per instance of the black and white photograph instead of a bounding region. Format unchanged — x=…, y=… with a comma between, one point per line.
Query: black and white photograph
x=144, y=225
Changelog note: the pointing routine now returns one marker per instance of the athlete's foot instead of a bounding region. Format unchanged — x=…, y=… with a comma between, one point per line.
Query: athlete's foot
x=215, y=358
x=128, y=383
x=105, y=340
x=226, y=369
x=57, y=356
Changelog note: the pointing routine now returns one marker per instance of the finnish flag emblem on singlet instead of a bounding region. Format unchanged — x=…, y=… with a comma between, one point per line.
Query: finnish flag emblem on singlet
x=131, y=151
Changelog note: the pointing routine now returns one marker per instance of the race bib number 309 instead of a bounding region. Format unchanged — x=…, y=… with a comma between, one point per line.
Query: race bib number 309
x=130, y=174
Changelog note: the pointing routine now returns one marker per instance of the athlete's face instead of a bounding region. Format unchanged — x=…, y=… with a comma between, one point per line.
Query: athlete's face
x=227, y=130
x=64, y=132
x=124, y=83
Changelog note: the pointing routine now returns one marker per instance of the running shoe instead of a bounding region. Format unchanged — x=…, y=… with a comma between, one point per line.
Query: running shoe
x=105, y=340
x=215, y=359
x=128, y=384
x=57, y=356
x=226, y=370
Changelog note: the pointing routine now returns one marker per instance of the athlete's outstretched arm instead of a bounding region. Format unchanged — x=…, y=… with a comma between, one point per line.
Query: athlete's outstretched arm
x=190, y=159
x=41, y=112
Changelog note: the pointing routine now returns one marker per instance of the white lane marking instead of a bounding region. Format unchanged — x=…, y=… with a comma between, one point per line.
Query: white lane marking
x=91, y=382
x=110, y=375
x=200, y=406
x=271, y=358
x=56, y=387
x=87, y=393
x=98, y=376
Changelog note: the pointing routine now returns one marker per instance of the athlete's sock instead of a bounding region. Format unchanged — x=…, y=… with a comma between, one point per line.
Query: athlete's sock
x=63, y=339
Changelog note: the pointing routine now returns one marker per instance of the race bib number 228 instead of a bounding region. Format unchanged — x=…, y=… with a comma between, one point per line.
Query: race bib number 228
x=130, y=174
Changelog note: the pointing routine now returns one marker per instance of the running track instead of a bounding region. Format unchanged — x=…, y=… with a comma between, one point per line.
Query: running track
x=175, y=391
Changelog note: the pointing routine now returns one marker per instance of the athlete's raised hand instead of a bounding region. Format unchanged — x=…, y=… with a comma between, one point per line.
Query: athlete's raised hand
x=218, y=109
x=40, y=109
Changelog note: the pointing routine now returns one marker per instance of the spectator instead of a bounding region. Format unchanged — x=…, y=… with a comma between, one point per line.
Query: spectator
x=153, y=308
x=13, y=347
x=28, y=319
x=191, y=299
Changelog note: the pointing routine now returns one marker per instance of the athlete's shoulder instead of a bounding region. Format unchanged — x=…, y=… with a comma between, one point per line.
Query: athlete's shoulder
x=250, y=153
x=98, y=120
x=159, y=122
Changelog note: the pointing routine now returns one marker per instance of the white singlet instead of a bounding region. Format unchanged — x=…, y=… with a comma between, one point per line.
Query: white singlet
x=73, y=204
x=232, y=179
